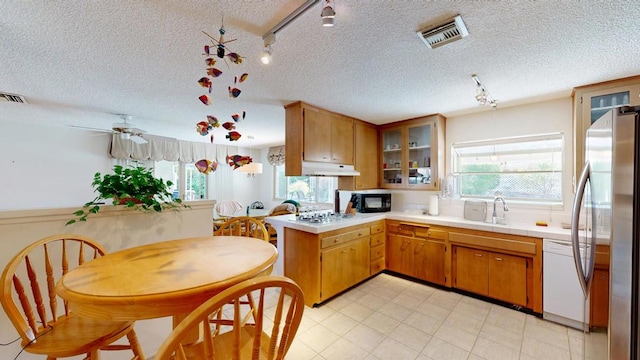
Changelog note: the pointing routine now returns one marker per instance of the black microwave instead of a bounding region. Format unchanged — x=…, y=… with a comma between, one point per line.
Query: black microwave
x=371, y=202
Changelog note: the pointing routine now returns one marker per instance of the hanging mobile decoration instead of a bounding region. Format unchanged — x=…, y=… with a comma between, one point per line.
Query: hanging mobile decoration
x=213, y=72
x=205, y=99
x=234, y=92
x=205, y=83
x=236, y=117
x=229, y=125
x=237, y=161
x=233, y=136
x=206, y=166
x=221, y=52
x=203, y=128
x=213, y=121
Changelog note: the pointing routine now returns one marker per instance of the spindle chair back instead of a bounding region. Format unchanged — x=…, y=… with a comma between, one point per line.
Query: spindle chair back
x=279, y=312
x=43, y=320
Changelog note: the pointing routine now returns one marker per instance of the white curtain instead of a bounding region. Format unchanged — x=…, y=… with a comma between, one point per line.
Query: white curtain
x=161, y=148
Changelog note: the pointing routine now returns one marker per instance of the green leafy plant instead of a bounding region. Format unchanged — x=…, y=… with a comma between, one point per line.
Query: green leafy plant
x=133, y=187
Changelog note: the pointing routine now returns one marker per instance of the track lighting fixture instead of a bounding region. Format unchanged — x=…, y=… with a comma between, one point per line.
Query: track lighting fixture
x=328, y=13
x=266, y=55
x=482, y=95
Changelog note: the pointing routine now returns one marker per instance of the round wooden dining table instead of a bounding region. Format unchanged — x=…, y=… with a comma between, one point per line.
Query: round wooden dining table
x=169, y=278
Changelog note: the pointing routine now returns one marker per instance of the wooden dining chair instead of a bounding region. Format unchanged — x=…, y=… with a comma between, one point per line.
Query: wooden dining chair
x=280, y=307
x=244, y=226
x=281, y=209
x=43, y=320
x=241, y=226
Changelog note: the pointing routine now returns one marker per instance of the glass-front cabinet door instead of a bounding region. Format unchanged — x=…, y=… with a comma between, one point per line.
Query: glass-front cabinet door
x=392, y=157
x=593, y=101
x=419, y=150
x=413, y=153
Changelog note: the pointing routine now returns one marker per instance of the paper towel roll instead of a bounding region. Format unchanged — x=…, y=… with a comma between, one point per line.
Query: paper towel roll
x=433, y=205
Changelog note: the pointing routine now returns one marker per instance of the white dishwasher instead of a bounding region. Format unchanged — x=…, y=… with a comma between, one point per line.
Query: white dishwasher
x=562, y=298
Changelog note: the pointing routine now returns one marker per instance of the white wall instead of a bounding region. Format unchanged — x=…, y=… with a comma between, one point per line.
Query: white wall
x=537, y=118
x=53, y=167
x=49, y=167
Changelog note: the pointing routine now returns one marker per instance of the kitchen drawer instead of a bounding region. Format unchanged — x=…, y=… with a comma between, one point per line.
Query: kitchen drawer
x=431, y=233
x=377, y=228
x=377, y=266
x=343, y=238
x=377, y=252
x=377, y=239
x=404, y=229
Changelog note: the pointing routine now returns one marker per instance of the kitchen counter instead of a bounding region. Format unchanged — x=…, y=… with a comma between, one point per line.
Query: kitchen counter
x=532, y=230
x=289, y=221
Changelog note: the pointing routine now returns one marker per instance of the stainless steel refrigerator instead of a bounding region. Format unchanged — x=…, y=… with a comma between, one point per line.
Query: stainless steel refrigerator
x=606, y=205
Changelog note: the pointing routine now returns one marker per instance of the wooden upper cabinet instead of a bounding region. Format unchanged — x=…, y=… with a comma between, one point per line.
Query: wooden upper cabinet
x=342, y=140
x=366, y=143
x=318, y=129
x=412, y=153
x=592, y=101
x=318, y=135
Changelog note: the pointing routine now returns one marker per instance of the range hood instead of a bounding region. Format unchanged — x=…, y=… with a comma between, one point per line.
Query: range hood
x=310, y=168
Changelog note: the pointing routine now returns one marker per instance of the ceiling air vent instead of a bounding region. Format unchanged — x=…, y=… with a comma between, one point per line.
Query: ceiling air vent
x=444, y=33
x=6, y=97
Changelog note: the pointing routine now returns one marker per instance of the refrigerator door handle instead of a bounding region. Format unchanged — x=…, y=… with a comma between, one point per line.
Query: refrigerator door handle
x=575, y=219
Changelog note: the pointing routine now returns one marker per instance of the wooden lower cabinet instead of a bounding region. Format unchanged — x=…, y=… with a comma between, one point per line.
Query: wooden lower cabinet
x=428, y=261
x=417, y=250
x=326, y=264
x=472, y=270
x=504, y=267
x=599, y=307
x=499, y=276
x=377, y=252
x=508, y=278
x=343, y=266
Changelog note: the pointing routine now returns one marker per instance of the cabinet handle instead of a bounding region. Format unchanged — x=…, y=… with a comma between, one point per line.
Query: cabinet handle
x=429, y=233
x=336, y=240
x=359, y=234
x=499, y=259
x=478, y=255
x=353, y=249
x=343, y=251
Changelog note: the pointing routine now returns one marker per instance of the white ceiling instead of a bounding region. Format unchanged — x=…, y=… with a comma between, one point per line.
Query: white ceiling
x=81, y=62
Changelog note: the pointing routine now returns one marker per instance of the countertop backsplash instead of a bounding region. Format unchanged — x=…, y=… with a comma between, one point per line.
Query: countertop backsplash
x=417, y=202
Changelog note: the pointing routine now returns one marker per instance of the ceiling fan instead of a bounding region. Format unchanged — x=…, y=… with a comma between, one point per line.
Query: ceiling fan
x=127, y=130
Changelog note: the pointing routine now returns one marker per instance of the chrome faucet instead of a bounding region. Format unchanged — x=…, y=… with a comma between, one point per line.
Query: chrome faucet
x=495, y=218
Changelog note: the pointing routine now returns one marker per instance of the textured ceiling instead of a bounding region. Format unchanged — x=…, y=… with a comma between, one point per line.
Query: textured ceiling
x=82, y=62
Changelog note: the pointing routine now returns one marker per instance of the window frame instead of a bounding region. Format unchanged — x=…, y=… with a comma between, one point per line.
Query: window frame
x=498, y=145
x=280, y=169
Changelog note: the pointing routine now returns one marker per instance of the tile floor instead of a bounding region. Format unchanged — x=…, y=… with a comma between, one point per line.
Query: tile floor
x=390, y=318
x=393, y=318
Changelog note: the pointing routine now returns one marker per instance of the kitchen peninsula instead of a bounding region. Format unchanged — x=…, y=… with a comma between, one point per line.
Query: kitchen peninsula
x=499, y=262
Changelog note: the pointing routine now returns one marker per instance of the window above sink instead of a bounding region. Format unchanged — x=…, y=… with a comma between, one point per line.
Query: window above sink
x=524, y=169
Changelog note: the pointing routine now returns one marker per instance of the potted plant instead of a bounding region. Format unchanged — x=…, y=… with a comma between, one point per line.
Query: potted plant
x=133, y=187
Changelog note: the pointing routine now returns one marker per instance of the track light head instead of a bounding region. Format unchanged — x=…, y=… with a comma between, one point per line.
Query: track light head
x=328, y=13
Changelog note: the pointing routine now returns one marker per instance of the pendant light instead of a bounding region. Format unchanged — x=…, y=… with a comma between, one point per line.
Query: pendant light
x=252, y=168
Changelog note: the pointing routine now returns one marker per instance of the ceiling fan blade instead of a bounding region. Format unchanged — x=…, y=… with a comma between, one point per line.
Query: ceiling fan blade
x=90, y=128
